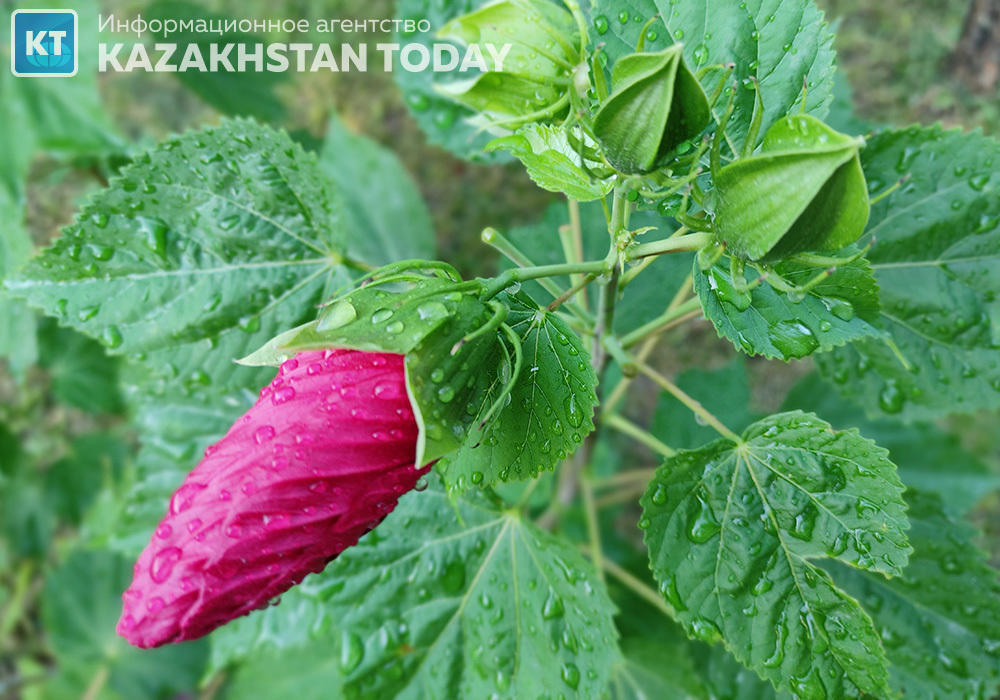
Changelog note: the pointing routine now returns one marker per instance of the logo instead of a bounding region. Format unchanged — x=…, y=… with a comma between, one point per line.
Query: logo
x=43, y=43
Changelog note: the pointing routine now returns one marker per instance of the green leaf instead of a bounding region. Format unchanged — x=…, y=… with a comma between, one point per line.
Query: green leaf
x=81, y=603
x=17, y=322
x=940, y=621
x=937, y=262
x=204, y=248
x=82, y=375
x=248, y=93
x=456, y=600
x=673, y=422
x=445, y=122
x=783, y=43
x=731, y=530
x=927, y=457
x=554, y=161
x=767, y=322
x=72, y=482
x=549, y=412
x=64, y=115
x=385, y=216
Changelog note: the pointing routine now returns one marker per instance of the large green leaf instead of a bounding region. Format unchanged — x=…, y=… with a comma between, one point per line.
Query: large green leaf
x=783, y=43
x=732, y=529
x=204, y=248
x=450, y=600
x=940, y=621
x=385, y=214
x=928, y=458
x=548, y=414
x=937, y=262
x=767, y=322
x=81, y=603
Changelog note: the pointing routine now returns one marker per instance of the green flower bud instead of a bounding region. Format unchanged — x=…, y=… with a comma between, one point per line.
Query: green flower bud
x=804, y=190
x=537, y=71
x=655, y=104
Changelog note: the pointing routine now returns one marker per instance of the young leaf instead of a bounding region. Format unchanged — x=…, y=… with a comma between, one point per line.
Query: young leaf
x=384, y=214
x=549, y=412
x=553, y=160
x=937, y=262
x=732, y=529
x=80, y=603
x=445, y=122
x=213, y=241
x=940, y=621
x=784, y=44
x=767, y=322
x=458, y=600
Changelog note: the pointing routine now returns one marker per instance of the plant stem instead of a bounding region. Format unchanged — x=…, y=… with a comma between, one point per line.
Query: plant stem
x=661, y=323
x=618, y=393
x=583, y=282
x=674, y=244
x=627, y=427
x=498, y=241
x=593, y=525
x=626, y=477
x=629, y=492
x=539, y=272
x=688, y=401
x=571, y=237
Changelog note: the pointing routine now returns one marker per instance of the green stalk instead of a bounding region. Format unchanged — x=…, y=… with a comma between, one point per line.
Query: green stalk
x=627, y=427
x=659, y=324
x=692, y=404
x=676, y=244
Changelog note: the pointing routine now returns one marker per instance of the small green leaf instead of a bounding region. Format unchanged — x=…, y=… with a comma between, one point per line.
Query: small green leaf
x=552, y=157
x=454, y=600
x=81, y=603
x=940, y=621
x=936, y=258
x=764, y=321
x=655, y=105
x=384, y=214
x=543, y=43
x=804, y=190
x=785, y=44
x=732, y=529
x=549, y=412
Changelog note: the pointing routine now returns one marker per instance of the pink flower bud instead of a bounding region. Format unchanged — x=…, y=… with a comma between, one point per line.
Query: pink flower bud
x=318, y=461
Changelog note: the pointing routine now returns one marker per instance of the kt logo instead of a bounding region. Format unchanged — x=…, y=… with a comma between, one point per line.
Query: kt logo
x=43, y=43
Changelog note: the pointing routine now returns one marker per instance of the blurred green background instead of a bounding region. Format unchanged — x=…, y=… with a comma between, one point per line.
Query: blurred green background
x=64, y=440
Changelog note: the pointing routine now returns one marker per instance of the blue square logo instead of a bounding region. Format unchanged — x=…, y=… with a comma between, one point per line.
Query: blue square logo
x=43, y=43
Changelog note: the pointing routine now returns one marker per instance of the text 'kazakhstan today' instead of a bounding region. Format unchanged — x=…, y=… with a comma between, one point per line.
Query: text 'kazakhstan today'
x=301, y=57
